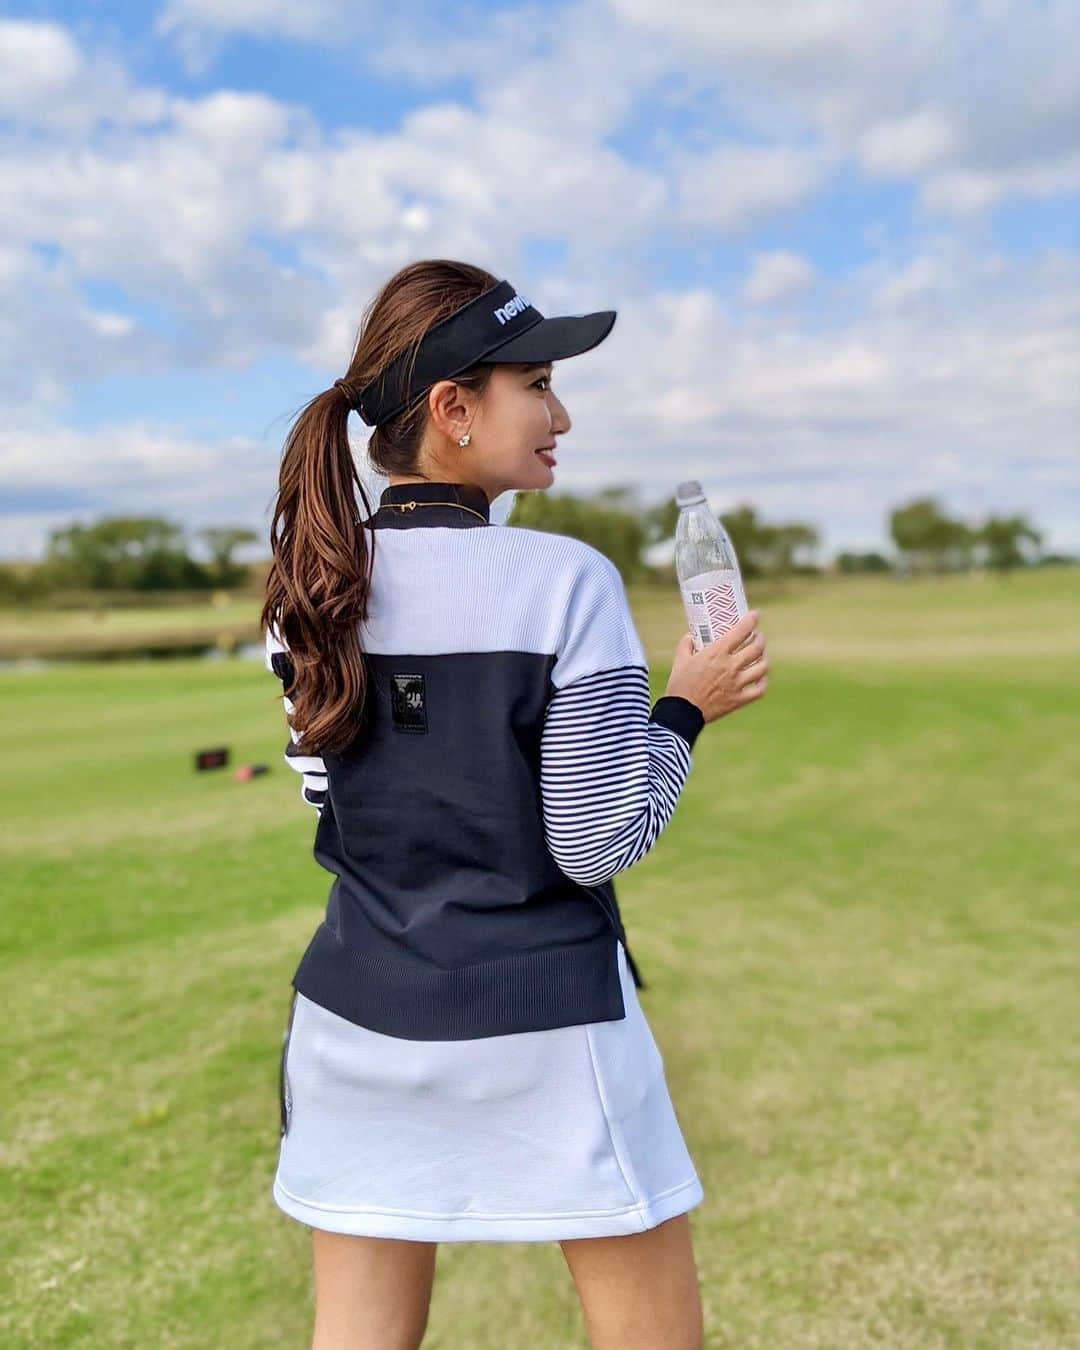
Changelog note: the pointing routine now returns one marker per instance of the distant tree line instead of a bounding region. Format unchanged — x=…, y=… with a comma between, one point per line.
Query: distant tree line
x=130, y=553
x=929, y=540
x=151, y=554
x=924, y=538
x=614, y=520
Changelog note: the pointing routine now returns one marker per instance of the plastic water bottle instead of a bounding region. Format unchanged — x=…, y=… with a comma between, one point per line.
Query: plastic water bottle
x=708, y=570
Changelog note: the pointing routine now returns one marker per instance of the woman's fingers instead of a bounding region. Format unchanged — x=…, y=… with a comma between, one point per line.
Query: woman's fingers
x=753, y=672
x=751, y=651
x=739, y=630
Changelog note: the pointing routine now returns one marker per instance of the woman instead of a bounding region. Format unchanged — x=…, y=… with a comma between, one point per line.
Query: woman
x=465, y=1057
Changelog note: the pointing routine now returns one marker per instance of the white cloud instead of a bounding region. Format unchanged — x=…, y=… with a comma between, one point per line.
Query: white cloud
x=924, y=278
x=252, y=230
x=976, y=397
x=777, y=274
x=973, y=102
x=732, y=186
x=198, y=27
x=782, y=35
x=965, y=192
x=50, y=335
x=180, y=217
x=906, y=146
x=313, y=20
x=46, y=82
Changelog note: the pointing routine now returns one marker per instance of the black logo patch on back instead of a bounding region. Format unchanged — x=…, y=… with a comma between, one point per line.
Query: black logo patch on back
x=408, y=702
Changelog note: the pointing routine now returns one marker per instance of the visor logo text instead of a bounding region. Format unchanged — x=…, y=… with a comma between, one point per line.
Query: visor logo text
x=512, y=308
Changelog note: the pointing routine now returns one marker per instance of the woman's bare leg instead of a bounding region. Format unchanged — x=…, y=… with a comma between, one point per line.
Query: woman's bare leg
x=639, y=1291
x=371, y=1293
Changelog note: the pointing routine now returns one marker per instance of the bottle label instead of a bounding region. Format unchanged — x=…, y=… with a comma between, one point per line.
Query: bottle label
x=714, y=601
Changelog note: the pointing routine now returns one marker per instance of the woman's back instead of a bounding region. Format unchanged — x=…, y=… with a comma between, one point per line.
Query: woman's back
x=505, y=768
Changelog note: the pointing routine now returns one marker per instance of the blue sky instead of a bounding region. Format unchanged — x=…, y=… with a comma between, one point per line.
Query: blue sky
x=843, y=242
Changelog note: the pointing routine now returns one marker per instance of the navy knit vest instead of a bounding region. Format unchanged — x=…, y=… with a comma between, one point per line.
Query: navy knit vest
x=507, y=766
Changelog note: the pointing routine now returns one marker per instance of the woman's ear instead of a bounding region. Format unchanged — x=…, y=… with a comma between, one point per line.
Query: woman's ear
x=451, y=408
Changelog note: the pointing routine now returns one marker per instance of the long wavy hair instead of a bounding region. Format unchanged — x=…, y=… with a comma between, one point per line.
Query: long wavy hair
x=319, y=581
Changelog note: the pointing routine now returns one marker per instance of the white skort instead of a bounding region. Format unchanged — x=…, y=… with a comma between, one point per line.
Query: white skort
x=534, y=1136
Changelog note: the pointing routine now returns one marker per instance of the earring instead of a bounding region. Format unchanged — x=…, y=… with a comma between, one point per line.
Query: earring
x=464, y=440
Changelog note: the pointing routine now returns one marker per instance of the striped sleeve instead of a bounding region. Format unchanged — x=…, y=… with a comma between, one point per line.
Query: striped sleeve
x=611, y=768
x=312, y=769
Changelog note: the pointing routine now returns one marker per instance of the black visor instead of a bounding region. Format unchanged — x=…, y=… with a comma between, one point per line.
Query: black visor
x=499, y=325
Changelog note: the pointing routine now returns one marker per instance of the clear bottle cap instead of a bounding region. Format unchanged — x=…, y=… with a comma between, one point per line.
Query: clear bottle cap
x=686, y=494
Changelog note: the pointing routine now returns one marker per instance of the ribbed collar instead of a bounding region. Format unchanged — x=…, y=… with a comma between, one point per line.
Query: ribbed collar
x=464, y=494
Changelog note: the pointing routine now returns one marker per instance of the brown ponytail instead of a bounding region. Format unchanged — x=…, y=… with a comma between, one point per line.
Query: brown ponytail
x=319, y=580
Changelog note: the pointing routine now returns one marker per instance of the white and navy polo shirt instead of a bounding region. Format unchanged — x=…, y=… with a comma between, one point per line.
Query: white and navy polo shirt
x=507, y=766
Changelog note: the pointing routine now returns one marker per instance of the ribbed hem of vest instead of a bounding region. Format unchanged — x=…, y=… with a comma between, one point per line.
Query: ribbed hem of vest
x=678, y=713
x=527, y=991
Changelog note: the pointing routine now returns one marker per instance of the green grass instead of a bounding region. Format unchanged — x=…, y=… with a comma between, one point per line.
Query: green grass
x=859, y=937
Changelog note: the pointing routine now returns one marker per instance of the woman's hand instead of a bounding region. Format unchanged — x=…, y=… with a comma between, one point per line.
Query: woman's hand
x=725, y=675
